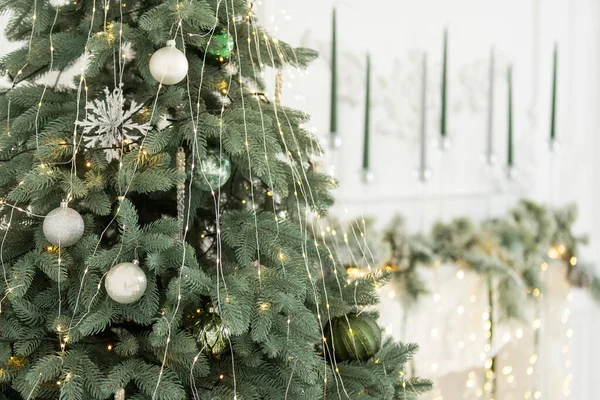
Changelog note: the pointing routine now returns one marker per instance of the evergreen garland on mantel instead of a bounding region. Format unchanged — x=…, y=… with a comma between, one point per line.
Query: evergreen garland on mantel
x=512, y=251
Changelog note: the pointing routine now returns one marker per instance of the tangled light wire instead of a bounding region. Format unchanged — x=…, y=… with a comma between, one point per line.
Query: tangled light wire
x=366, y=253
x=306, y=196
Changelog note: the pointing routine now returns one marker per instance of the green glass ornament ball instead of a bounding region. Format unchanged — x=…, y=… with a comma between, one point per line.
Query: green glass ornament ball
x=213, y=172
x=214, y=337
x=356, y=339
x=221, y=45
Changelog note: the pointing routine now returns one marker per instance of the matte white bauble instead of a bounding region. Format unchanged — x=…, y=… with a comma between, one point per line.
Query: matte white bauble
x=63, y=226
x=169, y=65
x=126, y=282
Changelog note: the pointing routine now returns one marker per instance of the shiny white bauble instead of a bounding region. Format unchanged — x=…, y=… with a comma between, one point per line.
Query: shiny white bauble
x=169, y=65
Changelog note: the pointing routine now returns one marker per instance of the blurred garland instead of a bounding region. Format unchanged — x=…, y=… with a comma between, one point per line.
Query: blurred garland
x=510, y=252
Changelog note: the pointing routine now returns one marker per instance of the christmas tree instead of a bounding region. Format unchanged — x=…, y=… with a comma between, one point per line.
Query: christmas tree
x=161, y=217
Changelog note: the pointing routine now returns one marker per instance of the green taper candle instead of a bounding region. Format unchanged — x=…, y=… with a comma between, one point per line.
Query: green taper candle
x=510, y=159
x=334, y=105
x=443, y=130
x=367, y=116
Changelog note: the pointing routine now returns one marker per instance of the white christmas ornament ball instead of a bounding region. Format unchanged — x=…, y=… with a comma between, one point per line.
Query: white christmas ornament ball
x=126, y=282
x=169, y=65
x=63, y=226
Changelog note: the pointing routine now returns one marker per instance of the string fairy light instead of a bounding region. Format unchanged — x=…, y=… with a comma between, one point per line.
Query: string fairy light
x=124, y=193
x=107, y=26
x=52, y=49
x=489, y=387
x=278, y=95
x=282, y=58
x=304, y=191
x=305, y=232
x=39, y=108
x=338, y=379
x=516, y=334
x=8, y=113
x=216, y=199
x=76, y=144
x=194, y=157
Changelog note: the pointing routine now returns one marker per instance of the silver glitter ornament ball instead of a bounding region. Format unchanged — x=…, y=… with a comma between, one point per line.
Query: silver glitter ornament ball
x=63, y=226
x=126, y=282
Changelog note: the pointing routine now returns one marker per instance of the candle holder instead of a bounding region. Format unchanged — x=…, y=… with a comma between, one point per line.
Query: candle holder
x=444, y=143
x=511, y=173
x=367, y=176
x=423, y=174
x=335, y=140
x=490, y=159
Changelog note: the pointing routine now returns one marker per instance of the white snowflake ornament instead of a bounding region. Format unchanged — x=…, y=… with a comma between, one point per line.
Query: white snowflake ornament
x=109, y=126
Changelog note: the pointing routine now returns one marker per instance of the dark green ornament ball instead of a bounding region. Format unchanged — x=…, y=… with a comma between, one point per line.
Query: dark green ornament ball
x=221, y=45
x=356, y=339
x=213, y=172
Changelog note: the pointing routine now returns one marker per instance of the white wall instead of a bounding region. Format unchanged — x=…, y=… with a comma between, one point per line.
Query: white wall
x=395, y=33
